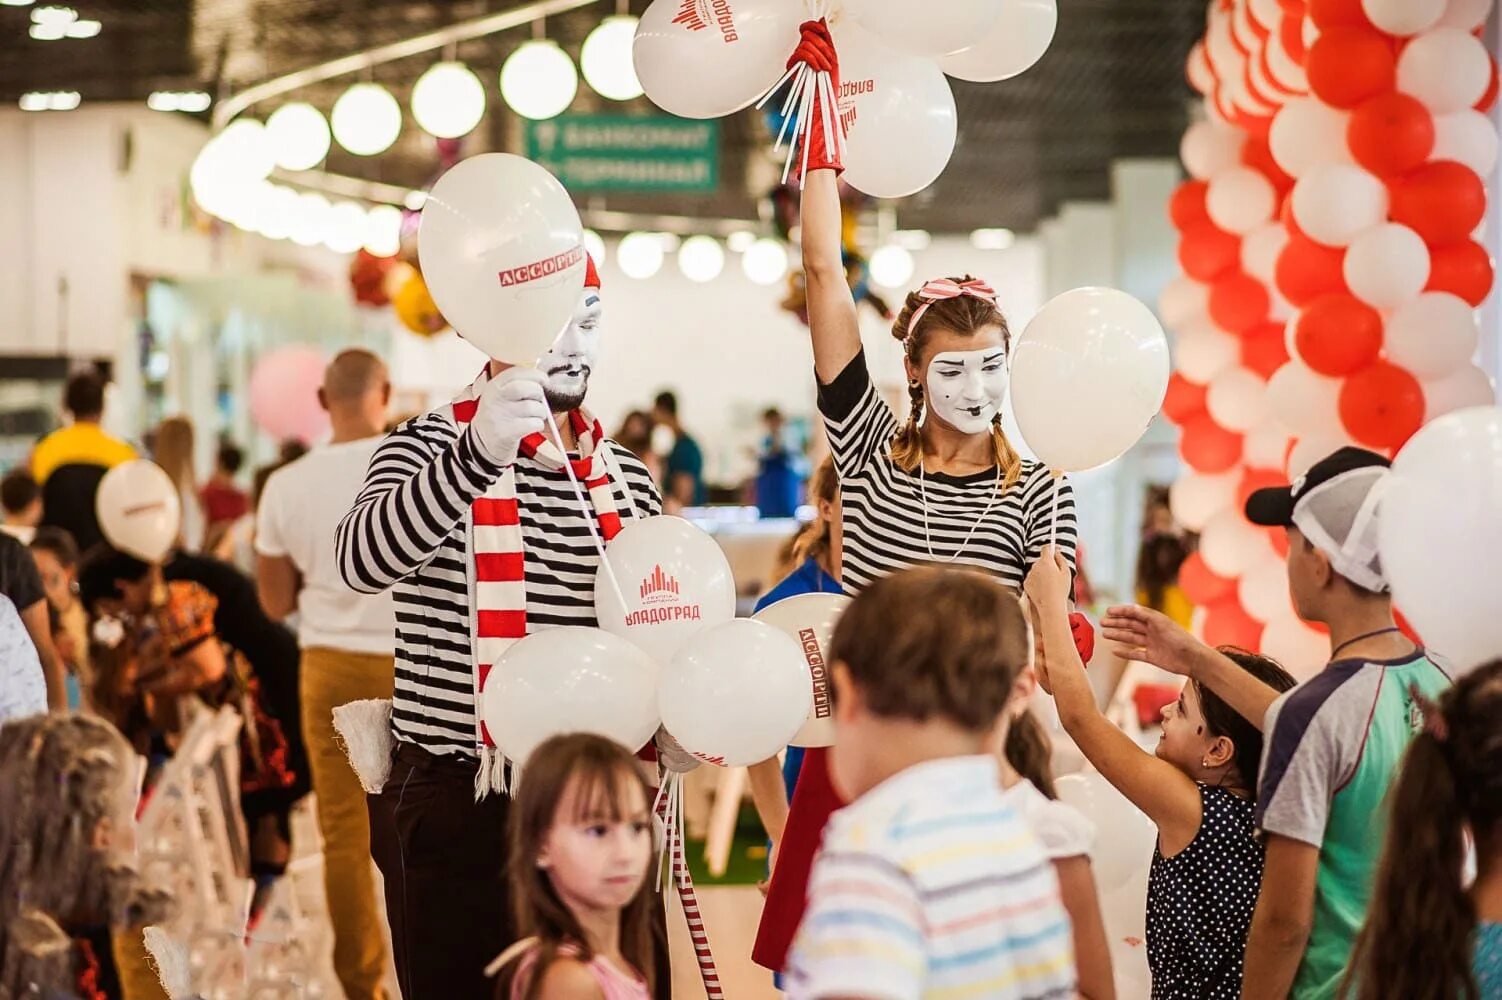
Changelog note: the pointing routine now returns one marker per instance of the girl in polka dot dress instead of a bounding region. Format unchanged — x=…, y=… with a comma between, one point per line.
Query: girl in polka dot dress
x=1199, y=788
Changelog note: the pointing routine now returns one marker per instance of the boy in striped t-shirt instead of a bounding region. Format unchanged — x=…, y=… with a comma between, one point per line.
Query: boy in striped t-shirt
x=929, y=884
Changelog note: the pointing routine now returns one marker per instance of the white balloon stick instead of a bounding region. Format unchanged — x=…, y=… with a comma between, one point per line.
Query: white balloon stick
x=586, y=508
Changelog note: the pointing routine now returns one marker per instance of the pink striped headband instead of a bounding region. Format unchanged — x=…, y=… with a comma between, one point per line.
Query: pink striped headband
x=945, y=288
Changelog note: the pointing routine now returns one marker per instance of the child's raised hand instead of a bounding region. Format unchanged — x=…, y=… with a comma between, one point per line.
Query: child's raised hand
x=1050, y=582
x=1151, y=637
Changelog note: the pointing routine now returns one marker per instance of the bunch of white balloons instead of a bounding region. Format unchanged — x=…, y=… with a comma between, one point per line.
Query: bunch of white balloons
x=710, y=58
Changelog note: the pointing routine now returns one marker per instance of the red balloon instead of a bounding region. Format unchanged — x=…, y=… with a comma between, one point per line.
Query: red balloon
x=1291, y=34
x=1202, y=586
x=1238, y=302
x=1306, y=270
x=1187, y=206
x=1490, y=97
x=1184, y=399
x=1327, y=14
x=1443, y=202
x=1256, y=154
x=1463, y=269
x=1227, y=624
x=1338, y=334
x=1264, y=349
x=1347, y=65
x=1258, y=479
x=1206, y=446
x=1205, y=252
x=1293, y=8
x=1406, y=627
x=1391, y=134
x=1382, y=406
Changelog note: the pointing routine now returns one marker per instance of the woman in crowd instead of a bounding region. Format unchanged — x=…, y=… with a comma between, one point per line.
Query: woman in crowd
x=1158, y=562
x=1429, y=936
x=172, y=449
x=57, y=561
x=635, y=435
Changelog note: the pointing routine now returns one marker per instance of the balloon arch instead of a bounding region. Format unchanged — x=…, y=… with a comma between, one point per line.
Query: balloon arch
x=1331, y=267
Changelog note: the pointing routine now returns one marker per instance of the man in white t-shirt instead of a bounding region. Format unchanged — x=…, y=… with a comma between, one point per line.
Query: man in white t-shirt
x=347, y=640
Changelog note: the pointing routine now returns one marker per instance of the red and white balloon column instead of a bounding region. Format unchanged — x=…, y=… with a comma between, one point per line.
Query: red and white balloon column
x=1331, y=266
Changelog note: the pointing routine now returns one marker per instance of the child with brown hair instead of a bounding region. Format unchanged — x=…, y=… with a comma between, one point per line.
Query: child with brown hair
x=929, y=882
x=581, y=832
x=1427, y=935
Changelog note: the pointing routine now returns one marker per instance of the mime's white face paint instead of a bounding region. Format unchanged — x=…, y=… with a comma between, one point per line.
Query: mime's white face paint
x=966, y=388
x=571, y=360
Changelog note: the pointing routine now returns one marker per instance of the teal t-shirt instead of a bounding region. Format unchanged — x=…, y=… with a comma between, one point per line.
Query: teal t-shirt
x=1486, y=960
x=689, y=460
x=1334, y=744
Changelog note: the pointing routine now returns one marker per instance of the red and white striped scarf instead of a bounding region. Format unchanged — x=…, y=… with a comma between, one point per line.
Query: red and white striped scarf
x=498, y=563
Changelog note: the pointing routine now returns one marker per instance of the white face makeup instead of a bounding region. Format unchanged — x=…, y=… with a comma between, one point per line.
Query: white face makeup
x=966, y=388
x=569, y=363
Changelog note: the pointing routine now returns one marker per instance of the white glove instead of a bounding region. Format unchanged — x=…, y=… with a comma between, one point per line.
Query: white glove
x=511, y=407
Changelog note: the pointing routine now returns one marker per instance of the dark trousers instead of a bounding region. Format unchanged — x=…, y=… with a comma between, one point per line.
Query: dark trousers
x=443, y=857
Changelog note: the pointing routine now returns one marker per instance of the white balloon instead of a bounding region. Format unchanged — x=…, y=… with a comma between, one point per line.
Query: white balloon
x=1307, y=132
x=1304, y=400
x=1201, y=77
x=676, y=582
x=1267, y=13
x=1469, y=386
x=736, y=693
x=1263, y=590
x=1208, y=148
x=1088, y=375
x=1404, y=17
x=1432, y=335
x=1240, y=199
x=1387, y=266
x=809, y=620
x=1203, y=353
x=1301, y=650
x=570, y=680
x=1237, y=399
x=899, y=113
x=913, y=28
x=1440, y=536
x=1260, y=249
x=1014, y=42
x=139, y=510
x=1124, y=844
x=1230, y=544
x=1195, y=497
x=1286, y=71
x=1313, y=447
x=1467, y=15
x=1266, y=445
x=704, y=60
x=502, y=252
x=1447, y=69
x=1467, y=137
x=1184, y=301
x=1333, y=202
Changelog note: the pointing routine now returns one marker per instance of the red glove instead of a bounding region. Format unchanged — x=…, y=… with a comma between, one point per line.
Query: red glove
x=1084, y=636
x=816, y=51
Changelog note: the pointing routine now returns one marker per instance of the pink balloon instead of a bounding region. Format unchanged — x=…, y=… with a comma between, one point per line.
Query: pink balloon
x=284, y=394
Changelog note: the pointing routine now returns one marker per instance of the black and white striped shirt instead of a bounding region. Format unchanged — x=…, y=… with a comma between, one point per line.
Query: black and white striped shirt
x=407, y=530
x=884, y=510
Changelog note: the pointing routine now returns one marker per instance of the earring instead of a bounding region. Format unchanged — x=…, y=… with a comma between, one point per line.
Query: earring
x=912, y=383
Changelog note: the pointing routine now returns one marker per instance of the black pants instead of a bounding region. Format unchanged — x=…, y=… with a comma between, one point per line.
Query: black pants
x=443, y=856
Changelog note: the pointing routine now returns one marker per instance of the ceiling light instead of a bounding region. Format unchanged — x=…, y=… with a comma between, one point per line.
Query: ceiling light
x=15, y=3
x=912, y=239
x=194, y=101
x=299, y=136
x=247, y=152
x=278, y=212
x=448, y=100
x=639, y=254
x=35, y=102
x=65, y=100
x=310, y=221
x=54, y=15
x=54, y=100
x=595, y=245
x=891, y=267
x=606, y=59
x=415, y=200
x=49, y=32
x=83, y=29
x=765, y=261
x=366, y=119
x=701, y=258
x=383, y=230
x=740, y=241
x=162, y=100
x=538, y=80
x=992, y=239
x=344, y=228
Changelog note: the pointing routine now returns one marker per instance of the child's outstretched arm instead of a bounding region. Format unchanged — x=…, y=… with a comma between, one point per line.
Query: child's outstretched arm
x=1152, y=637
x=1167, y=795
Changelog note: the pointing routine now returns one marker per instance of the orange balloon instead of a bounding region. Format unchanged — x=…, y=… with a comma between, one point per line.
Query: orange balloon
x=1228, y=624
x=1338, y=334
x=1391, y=134
x=416, y=309
x=1238, y=302
x=1264, y=349
x=1201, y=584
x=1205, y=252
x=1463, y=269
x=1306, y=270
x=1382, y=406
x=1347, y=65
x=1327, y=14
x=1186, y=207
x=1208, y=447
x=1258, y=479
x=1184, y=399
x=1443, y=202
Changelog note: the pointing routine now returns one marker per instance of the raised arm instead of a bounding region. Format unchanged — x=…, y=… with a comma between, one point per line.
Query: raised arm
x=831, y=308
x=1169, y=797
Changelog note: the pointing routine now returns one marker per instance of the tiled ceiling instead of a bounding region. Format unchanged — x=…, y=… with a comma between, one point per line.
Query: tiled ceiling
x=1111, y=86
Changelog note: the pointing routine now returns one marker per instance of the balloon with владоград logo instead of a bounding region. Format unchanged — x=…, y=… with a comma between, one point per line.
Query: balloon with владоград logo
x=735, y=694
x=502, y=251
x=675, y=581
x=809, y=620
x=139, y=510
x=710, y=58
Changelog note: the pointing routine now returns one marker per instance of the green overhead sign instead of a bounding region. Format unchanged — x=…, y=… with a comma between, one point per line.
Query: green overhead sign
x=628, y=152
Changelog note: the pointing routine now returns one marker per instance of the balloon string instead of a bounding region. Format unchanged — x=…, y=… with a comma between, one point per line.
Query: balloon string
x=1053, y=525
x=587, y=509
